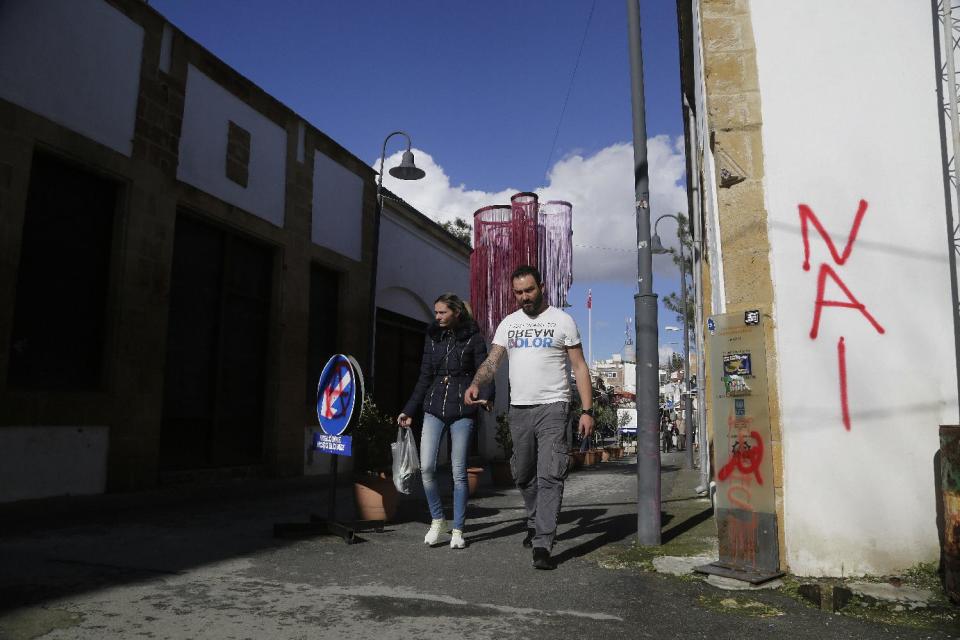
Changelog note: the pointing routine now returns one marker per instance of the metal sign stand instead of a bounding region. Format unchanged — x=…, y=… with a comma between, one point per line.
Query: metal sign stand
x=318, y=525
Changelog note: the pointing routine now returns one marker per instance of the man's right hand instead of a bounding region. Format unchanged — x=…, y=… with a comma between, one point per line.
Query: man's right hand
x=404, y=420
x=472, y=395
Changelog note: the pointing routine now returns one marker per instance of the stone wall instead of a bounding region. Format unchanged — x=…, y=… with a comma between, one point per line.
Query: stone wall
x=734, y=123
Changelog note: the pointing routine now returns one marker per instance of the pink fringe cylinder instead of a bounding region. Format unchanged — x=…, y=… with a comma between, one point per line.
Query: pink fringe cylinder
x=505, y=237
x=555, y=247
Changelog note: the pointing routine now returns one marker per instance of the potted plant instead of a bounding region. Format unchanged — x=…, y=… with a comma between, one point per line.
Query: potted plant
x=591, y=457
x=474, y=474
x=502, y=477
x=606, y=424
x=576, y=459
x=373, y=490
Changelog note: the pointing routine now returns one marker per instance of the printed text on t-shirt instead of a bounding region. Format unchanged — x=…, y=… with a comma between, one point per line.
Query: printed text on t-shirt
x=521, y=338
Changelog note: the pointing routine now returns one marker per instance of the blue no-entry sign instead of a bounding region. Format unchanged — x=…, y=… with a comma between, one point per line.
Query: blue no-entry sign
x=339, y=396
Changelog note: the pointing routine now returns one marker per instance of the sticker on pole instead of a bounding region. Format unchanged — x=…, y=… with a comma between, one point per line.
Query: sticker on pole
x=337, y=395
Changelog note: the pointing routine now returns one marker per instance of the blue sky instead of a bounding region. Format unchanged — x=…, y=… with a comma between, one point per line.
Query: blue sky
x=480, y=88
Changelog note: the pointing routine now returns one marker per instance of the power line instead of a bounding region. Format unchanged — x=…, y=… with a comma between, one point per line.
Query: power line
x=573, y=75
x=593, y=246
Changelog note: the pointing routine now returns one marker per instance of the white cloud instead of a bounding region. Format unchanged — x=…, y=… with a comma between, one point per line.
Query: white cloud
x=600, y=187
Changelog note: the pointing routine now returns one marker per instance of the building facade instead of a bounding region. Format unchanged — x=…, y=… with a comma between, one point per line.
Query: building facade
x=820, y=195
x=618, y=375
x=179, y=255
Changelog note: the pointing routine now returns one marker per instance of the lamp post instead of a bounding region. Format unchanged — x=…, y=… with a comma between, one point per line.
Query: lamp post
x=657, y=247
x=644, y=306
x=406, y=170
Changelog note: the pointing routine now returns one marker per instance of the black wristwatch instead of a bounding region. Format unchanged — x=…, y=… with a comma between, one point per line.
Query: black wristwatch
x=587, y=412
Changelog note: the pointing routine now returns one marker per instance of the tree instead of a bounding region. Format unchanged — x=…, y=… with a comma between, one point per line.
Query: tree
x=675, y=362
x=672, y=301
x=459, y=229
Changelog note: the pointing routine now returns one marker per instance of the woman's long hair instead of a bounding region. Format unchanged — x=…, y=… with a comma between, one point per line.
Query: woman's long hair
x=460, y=309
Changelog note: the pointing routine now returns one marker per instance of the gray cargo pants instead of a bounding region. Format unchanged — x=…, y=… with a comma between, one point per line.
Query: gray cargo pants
x=539, y=464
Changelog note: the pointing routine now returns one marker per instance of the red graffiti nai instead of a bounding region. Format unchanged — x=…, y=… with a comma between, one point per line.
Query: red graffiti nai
x=850, y=303
x=745, y=457
x=842, y=366
x=808, y=217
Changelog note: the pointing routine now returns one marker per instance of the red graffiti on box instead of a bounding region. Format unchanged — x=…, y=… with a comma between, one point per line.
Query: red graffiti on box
x=744, y=457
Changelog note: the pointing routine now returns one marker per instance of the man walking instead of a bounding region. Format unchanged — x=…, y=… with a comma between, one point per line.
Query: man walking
x=541, y=342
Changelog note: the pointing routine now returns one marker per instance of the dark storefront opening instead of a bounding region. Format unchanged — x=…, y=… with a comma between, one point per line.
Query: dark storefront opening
x=217, y=338
x=60, y=312
x=324, y=320
x=399, y=351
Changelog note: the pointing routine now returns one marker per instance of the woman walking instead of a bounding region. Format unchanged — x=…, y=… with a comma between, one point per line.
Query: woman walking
x=452, y=351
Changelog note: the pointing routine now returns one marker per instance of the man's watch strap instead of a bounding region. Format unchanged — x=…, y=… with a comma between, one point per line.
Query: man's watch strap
x=587, y=412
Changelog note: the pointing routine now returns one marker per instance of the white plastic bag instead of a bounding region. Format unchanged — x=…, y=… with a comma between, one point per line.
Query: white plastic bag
x=406, y=461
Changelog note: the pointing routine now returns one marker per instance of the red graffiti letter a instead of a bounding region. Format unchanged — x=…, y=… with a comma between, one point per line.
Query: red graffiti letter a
x=807, y=216
x=850, y=303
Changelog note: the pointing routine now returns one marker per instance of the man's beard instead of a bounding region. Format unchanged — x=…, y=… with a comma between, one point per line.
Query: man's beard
x=533, y=307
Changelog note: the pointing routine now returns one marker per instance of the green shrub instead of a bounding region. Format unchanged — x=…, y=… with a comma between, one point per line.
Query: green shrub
x=372, y=435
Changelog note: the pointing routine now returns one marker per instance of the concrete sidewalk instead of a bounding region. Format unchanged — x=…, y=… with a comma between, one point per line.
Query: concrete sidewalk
x=204, y=564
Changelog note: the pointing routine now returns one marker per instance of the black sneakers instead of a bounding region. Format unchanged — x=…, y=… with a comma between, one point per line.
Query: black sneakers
x=528, y=541
x=542, y=559
x=541, y=555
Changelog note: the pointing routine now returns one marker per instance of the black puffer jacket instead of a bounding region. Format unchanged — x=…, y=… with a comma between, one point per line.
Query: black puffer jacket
x=450, y=360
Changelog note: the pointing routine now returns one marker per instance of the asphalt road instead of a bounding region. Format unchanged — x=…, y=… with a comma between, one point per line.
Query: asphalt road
x=205, y=565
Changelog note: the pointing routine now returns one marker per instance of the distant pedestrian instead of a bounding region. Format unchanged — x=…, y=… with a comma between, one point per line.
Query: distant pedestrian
x=681, y=431
x=665, y=432
x=452, y=351
x=540, y=341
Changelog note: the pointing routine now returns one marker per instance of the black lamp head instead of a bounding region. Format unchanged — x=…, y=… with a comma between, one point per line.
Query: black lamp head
x=656, y=246
x=407, y=170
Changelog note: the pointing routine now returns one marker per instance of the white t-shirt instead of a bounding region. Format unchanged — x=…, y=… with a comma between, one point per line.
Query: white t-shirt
x=537, y=349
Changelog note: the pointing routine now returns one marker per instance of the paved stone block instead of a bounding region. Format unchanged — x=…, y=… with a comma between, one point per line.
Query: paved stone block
x=731, y=584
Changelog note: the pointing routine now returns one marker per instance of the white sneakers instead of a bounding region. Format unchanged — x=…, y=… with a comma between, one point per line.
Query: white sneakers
x=439, y=528
x=456, y=540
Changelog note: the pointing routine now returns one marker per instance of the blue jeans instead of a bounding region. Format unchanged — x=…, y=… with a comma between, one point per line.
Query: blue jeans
x=460, y=430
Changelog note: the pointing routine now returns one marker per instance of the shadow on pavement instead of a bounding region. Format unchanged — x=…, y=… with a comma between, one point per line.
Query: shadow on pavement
x=610, y=530
x=686, y=525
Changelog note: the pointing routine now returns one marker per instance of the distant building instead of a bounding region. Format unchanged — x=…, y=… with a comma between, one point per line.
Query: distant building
x=617, y=374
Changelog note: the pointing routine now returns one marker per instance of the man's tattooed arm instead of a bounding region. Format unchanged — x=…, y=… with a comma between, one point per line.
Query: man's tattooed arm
x=486, y=371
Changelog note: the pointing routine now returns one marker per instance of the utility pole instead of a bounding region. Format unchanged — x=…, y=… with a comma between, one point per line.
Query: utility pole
x=590, y=328
x=645, y=307
x=687, y=399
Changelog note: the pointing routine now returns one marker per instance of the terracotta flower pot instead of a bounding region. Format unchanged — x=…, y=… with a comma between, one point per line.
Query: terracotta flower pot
x=375, y=497
x=502, y=477
x=576, y=460
x=473, y=478
x=591, y=457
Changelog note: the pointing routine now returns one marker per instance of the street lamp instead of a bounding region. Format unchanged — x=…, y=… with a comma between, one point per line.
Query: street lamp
x=649, y=521
x=406, y=170
x=657, y=247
